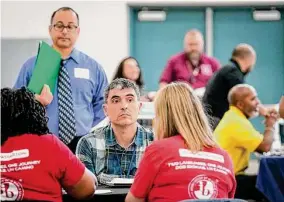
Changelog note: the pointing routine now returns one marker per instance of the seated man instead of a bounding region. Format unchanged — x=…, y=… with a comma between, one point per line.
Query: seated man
x=239, y=138
x=116, y=149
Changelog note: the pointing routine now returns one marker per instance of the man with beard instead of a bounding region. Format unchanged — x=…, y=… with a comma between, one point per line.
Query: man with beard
x=238, y=137
x=215, y=97
x=76, y=105
x=192, y=65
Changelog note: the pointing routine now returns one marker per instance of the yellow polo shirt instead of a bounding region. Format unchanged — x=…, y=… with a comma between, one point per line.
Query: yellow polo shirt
x=238, y=137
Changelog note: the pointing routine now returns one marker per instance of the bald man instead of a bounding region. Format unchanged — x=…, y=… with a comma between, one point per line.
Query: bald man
x=238, y=137
x=215, y=97
x=192, y=65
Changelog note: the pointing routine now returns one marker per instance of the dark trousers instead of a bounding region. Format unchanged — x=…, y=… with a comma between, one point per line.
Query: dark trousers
x=246, y=188
x=73, y=144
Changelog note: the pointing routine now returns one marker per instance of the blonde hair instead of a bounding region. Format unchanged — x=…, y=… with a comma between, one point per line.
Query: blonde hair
x=179, y=111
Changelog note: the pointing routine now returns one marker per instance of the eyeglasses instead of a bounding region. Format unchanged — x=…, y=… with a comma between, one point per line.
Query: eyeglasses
x=60, y=27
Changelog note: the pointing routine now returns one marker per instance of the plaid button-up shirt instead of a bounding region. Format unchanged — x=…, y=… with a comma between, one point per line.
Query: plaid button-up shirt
x=103, y=156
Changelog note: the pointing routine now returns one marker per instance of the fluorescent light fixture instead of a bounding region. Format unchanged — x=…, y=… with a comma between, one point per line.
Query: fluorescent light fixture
x=266, y=15
x=152, y=16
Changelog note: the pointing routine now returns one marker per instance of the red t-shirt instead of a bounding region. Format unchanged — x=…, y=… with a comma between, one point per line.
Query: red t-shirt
x=37, y=167
x=170, y=172
x=179, y=68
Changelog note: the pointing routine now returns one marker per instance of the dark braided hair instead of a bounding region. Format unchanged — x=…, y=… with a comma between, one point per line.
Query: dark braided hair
x=21, y=113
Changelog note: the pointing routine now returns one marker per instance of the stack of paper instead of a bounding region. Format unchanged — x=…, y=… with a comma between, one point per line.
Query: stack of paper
x=102, y=191
x=120, y=182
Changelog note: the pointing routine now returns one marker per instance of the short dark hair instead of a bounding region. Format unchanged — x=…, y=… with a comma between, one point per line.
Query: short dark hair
x=21, y=113
x=64, y=9
x=119, y=72
x=121, y=83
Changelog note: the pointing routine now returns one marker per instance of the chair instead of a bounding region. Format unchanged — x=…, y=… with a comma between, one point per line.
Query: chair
x=214, y=200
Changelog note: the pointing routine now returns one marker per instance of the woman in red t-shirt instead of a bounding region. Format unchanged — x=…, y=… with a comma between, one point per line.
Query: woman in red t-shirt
x=185, y=161
x=36, y=165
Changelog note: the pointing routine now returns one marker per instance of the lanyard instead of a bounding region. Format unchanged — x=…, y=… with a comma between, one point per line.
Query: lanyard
x=194, y=72
x=119, y=162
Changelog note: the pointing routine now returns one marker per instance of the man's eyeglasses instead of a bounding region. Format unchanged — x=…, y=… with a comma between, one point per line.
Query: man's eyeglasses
x=60, y=27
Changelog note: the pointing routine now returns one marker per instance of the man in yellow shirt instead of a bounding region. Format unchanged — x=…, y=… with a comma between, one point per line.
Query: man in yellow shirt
x=239, y=138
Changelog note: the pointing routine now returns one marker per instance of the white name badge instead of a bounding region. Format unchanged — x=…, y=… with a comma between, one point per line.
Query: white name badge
x=206, y=69
x=81, y=73
x=202, y=155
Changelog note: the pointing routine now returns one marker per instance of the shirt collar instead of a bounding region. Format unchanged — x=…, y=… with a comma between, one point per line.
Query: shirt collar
x=237, y=112
x=236, y=64
x=139, y=137
x=75, y=55
x=111, y=140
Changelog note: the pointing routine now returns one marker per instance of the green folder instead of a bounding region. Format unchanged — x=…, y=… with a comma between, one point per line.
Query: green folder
x=46, y=68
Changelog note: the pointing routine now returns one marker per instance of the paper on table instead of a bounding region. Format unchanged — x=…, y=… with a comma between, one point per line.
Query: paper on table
x=147, y=111
x=122, y=181
x=102, y=191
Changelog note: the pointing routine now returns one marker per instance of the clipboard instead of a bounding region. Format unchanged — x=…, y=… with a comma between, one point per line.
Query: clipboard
x=46, y=69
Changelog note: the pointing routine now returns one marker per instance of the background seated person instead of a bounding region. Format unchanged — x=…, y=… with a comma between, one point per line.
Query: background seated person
x=281, y=107
x=116, y=149
x=37, y=163
x=192, y=65
x=129, y=68
x=215, y=98
x=239, y=138
x=184, y=162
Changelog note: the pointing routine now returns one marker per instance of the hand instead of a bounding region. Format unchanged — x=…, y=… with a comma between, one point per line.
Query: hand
x=271, y=111
x=271, y=117
x=263, y=111
x=45, y=96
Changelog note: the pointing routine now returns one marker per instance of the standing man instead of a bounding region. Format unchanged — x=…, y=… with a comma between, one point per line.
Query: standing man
x=216, y=93
x=192, y=65
x=77, y=101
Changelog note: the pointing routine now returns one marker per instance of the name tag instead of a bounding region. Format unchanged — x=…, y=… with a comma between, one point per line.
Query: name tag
x=81, y=73
x=206, y=69
x=202, y=155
